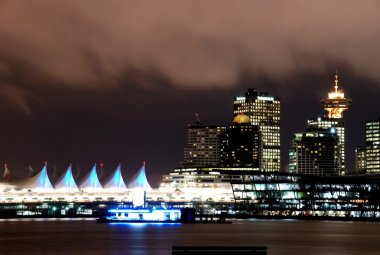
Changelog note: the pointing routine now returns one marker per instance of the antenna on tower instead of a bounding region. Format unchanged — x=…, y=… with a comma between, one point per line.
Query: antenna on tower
x=336, y=80
x=197, y=120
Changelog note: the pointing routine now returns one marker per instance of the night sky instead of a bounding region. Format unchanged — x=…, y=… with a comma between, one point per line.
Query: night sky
x=119, y=81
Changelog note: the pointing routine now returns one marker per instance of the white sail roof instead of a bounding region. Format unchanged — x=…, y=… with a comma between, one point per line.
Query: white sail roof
x=39, y=182
x=139, y=180
x=66, y=182
x=6, y=174
x=116, y=182
x=91, y=181
x=31, y=171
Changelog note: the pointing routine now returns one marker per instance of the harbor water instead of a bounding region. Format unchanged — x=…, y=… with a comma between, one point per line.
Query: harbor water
x=85, y=236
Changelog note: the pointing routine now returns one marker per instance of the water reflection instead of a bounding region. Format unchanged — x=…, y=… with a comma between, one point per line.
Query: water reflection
x=74, y=236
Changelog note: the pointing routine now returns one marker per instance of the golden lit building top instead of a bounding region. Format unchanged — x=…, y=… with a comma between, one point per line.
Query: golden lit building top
x=337, y=93
x=242, y=119
x=336, y=103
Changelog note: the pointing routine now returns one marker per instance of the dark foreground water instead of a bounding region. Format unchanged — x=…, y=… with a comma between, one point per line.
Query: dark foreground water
x=280, y=236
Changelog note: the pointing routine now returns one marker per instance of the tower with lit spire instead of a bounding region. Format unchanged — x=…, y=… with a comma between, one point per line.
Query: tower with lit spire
x=335, y=104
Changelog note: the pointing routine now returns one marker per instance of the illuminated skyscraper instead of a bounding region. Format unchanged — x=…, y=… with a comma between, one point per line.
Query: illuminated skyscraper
x=338, y=124
x=315, y=152
x=372, y=146
x=236, y=145
x=360, y=162
x=334, y=105
x=263, y=111
x=203, y=146
x=241, y=144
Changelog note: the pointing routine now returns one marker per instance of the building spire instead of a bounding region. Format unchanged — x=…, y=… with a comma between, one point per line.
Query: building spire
x=197, y=120
x=336, y=81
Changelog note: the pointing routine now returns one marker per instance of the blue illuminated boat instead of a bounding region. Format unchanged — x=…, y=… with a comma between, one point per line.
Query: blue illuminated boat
x=149, y=215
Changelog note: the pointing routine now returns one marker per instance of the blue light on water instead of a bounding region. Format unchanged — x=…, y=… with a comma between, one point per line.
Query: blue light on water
x=128, y=211
x=145, y=224
x=141, y=215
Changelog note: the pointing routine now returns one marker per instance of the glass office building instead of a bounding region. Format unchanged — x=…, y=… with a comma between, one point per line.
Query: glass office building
x=264, y=111
x=372, y=146
x=315, y=152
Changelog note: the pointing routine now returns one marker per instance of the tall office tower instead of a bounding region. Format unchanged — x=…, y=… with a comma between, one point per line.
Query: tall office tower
x=360, y=160
x=338, y=124
x=241, y=144
x=203, y=148
x=334, y=105
x=372, y=145
x=264, y=112
x=315, y=152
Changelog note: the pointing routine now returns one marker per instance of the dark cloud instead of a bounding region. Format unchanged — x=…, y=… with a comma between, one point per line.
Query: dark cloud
x=194, y=44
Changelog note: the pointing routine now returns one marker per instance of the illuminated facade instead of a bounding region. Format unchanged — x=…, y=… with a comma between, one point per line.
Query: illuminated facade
x=115, y=181
x=91, y=182
x=139, y=180
x=372, y=146
x=38, y=183
x=338, y=125
x=286, y=195
x=360, y=162
x=315, y=152
x=203, y=146
x=66, y=182
x=264, y=112
x=236, y=145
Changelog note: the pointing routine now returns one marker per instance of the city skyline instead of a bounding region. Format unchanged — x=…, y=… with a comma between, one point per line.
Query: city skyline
x=132, y=164
x=120, y=86
x=161, y=127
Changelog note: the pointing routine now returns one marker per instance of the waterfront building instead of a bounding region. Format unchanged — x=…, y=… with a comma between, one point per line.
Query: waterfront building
x=244, y=192
x=139, y=180
x=203, y=145
x=66, y=182
x=91, y=182
x=197, y=184
x=264, y=112
x=315, y=152
x=38, y=183
x=6, y=174
x=298, y=195
x=372, y=146
x=360, y=160
x=241, y=144
x=40, y=188
x=115, y=182
x=335, y=105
